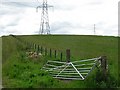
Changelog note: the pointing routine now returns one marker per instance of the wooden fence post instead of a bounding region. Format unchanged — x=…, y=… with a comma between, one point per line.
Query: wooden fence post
x=50, y=52
x=55, y=53
x=104, y=66
x=68, y=55
x=35, y=46
x=38, y=50
x=61, y=55
x=41, y=49
x=30, y=45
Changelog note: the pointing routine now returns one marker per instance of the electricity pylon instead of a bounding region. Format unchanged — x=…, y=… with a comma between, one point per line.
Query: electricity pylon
x=44, y=25
x=94, y=29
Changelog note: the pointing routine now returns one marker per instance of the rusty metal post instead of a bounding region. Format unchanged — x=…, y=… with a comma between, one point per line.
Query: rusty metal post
x=68, y=55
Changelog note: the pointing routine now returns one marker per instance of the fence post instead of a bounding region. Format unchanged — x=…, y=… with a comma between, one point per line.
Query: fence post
x=61, y=55
x=68, y=55
x=38, y=50
x=50, y=52
x=45, y=51
x=55, y=53
x=30, y=45
x=104, y=66
x=34, y=46
x=41, y=49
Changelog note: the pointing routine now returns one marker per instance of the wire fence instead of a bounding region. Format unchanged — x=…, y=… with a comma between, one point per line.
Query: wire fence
x=43, y=50
x=64, y=68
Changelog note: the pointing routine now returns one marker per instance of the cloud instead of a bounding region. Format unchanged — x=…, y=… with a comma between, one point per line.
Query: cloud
x=71, y=28
x=60, y=25
x=21, y=4
x=60, y=7
x=20, y=0
x=12, y=24
x=95, y=2
x=9, y=20
x=7, y=10
x=2, y=30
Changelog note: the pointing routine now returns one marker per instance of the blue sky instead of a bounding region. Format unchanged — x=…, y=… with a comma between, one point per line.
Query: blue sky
x=67, y=17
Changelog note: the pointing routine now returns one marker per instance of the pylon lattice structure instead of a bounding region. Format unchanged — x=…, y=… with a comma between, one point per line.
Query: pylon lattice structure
x=44, y=25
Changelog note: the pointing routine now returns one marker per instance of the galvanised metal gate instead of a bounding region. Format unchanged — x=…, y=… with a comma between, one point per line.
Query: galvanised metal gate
x=76, y=70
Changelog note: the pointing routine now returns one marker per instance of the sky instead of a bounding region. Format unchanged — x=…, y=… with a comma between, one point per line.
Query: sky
x=76, y=17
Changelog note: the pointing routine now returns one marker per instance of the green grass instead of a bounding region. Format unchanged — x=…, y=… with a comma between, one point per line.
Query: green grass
x=82, y=47
x=19, y=71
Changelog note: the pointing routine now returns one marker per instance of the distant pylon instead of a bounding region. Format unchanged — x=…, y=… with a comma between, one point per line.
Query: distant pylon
x=94, y=29
x=44, y=25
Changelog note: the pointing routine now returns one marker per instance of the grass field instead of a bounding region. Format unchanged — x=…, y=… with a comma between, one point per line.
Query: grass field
x=19, y=71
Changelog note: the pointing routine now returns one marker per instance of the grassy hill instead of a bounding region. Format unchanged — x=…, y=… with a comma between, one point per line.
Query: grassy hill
x=16, y=66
